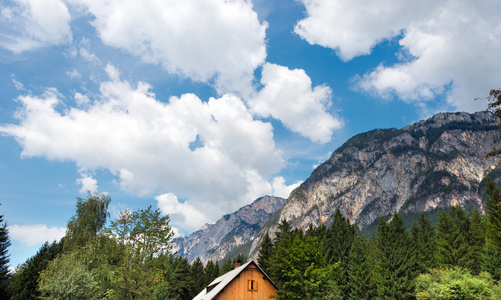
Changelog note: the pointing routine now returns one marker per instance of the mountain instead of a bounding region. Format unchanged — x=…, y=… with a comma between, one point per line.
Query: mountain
x=433, y=164
x=430, y=165
x=214, y=241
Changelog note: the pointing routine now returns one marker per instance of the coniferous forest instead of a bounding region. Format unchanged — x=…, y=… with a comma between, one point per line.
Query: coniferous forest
x=131, y=258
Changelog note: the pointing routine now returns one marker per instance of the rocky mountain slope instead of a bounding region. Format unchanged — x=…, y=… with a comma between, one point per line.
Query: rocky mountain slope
x=435, y=163
x=432, y=164
x=214, y=241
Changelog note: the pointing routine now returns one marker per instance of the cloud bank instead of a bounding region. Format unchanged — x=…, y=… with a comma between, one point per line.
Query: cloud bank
x=31, y=24
x=448, y=48
x=212, y=153
x=33, y=235
x=208, y=41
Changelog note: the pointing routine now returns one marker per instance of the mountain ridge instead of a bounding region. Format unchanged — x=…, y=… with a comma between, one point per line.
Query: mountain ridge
x=432, y=164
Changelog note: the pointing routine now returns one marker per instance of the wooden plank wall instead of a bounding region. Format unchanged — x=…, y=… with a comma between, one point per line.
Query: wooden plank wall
x=238, y=288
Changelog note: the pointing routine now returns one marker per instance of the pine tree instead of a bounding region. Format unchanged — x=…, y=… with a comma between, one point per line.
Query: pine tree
x=394, y=269
x=359, y=271
x=452, y=246
x=422, y=239
x=211, y=272
x=339, y=239
x=199, y=279
x=491, y=261
x=4, y=260
x=265, y=252
x=476, y=238
x=493, y=210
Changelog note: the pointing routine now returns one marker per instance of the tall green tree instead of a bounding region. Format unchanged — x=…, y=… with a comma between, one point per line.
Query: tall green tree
x=90, y=217
x=24, y=281
x=360, y=285
x=144, y=241
x=493, y=210
x=265, y=251
x=298, y=266
x=211, y=272
x=199, y=278
x=339, y=239
x=67, y=277
x=452, y=245
x=425, y=242
x=5, y=276
x=394, y=268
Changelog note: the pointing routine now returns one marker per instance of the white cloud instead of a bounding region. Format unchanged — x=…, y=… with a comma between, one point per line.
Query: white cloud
x=448, y=47
x=89, y=184
x=287, y=95
x=199, y=39
x=74, y=74
x=200, y=151
x=281, y=189
x=18, y=85
x=182, y=214
x=33, y=235
x=30, y=24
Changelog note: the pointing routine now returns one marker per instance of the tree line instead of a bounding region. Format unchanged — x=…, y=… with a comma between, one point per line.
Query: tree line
x=459, y=258
x=131, y=258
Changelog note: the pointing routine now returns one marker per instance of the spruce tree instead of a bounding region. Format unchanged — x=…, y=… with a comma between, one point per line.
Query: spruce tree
x=198, y=273
x=359, y=271
x=493, y=210
x=339, y=239
x=211, y=272
x=452, y=246
x=394, y=269
x=4, y=260
x=477, y=242
x=265, y=252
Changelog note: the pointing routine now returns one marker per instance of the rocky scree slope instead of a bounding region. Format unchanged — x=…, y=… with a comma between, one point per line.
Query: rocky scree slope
x=214, y=241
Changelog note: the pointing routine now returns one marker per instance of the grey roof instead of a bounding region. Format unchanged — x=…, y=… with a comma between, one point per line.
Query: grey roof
x=222, y=281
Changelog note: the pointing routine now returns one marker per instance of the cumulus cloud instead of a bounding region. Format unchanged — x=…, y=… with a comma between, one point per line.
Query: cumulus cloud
x=201, y=151
x=89, y=183
x=448, y=47
x=33, y=235
x=31, y=24
x=203, y=40
x=182, y=214
x=287, y=95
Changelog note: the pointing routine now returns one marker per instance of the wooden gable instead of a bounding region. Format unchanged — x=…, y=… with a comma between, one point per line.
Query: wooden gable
x=248, y=282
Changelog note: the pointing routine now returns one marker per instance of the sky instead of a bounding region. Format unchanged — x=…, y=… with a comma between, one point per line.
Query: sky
x=199, y=107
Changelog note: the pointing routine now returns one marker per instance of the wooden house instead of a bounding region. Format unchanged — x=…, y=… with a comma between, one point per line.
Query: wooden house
x=246, y=282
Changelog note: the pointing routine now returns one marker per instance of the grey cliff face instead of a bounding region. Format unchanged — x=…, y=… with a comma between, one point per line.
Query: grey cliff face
x=214, y=241
x=435, y=163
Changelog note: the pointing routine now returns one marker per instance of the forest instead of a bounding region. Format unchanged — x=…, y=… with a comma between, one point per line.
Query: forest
x=131, y=258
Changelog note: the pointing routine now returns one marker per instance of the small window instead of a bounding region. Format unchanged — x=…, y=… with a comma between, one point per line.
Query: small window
x=252, y=285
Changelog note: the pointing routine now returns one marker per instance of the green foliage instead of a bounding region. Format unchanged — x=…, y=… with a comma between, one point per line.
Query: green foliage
x=339, y=239
x=211, y=272
x=90, y=217
x=393, y=263
x=298, y=267
x=265, y=252
x=66, y=277
x=198, y=272
x=456, y=283
x=493, y=210
x=5, y=275
x=360, y=285
x=143, y=241
x=491, y=261
x=24, y=281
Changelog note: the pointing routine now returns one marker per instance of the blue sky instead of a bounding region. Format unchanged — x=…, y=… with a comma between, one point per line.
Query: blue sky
x=199, y=107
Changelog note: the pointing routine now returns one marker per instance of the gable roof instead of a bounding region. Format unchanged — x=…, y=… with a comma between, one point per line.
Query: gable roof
x=218, y=284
